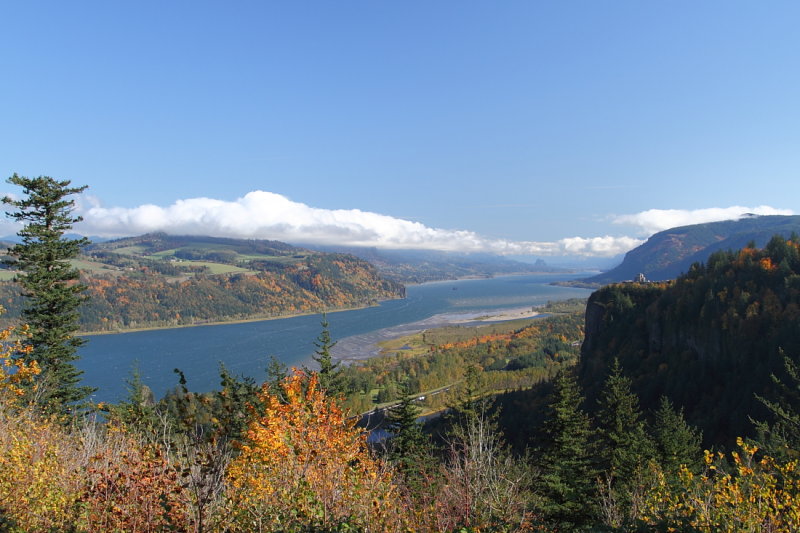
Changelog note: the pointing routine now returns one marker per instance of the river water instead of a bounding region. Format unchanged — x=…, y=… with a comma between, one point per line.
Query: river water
x=108, y=360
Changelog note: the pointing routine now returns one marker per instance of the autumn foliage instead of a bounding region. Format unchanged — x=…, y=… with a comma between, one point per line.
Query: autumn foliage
x=749, y=493
x=305, y=466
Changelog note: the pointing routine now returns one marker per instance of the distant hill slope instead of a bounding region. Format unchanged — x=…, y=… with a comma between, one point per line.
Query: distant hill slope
x=163, y=280
x=669, y=253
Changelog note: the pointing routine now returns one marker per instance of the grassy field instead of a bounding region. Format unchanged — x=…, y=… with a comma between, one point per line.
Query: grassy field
x=284, y=259
x=219, y=268
x=158, y=255
x=130, y=250
x=213, y=267
x=94, y=267
x=418, y=344
x=413, y=345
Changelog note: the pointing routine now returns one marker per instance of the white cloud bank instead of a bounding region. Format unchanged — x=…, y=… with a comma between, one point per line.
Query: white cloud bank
x=655, y=220
x=266, y=215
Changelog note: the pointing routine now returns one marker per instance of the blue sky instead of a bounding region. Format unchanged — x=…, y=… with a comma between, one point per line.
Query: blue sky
x=505, y=126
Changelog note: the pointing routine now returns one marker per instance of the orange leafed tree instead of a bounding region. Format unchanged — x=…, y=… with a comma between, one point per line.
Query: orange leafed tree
x=305, y=466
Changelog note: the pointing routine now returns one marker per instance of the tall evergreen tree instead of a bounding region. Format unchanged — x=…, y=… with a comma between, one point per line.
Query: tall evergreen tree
x=568, y=479
x=625, y=450
x=781, y=437
x=409, y=447
x=624, y=440
x=277, y=372
x=469, y=400
x=677, y=443
x=329, y=371
x=50, y=285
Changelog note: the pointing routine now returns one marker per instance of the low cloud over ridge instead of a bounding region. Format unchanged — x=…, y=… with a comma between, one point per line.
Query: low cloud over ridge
x=266, y=215
x=655, y=220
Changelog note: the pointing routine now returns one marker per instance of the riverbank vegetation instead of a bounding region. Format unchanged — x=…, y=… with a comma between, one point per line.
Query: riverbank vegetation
x=508, y=355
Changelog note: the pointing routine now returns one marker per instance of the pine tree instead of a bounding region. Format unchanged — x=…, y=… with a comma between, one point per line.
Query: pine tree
x=277, y=372
x=409, y=447
x=568, y=478
x=625, y=443
x=234, y=405
x=677, y=443
x=469, y=400
x=781, y=438
x=625, y=451
x=329, y=371
x=137, y=412
x=50, y=285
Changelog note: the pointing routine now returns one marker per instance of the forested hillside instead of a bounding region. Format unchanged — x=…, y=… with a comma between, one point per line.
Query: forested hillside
x=709, y=341
x=160, y=280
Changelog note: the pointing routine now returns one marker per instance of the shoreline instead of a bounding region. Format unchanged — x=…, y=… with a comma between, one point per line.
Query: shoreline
x=365, y=346
x=223, y=322
x=295, y=315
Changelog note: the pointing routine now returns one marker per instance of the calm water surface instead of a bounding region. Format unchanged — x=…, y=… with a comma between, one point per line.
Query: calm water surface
x=107, y=360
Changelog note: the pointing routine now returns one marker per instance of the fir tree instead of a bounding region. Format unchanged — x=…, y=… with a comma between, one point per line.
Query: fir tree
x=677, y=443
x=234, y=404
x=409, y=447
x=329, y=371
x=625, y=449
x=137, y=413
x=277, y=372
x=50, y=285
x=568, y=478
x=781, y=438
x=469, y=400
x=625, y=441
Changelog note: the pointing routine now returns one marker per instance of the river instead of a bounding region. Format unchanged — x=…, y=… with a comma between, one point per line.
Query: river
x=108, y=360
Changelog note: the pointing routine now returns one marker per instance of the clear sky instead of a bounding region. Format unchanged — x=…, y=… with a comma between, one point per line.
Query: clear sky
x=507, y=126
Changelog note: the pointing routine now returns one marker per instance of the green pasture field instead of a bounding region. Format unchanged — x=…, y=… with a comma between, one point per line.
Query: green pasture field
x=162, y=254
x=219, y=268
x=285, y=259
x=129, y=250
x=94, y=266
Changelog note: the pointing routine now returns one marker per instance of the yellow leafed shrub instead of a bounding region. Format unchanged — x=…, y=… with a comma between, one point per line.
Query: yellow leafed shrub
x=757, y=495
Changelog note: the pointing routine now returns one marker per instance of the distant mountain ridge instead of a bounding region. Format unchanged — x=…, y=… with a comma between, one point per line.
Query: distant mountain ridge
x=419, y=266
x=669, y=253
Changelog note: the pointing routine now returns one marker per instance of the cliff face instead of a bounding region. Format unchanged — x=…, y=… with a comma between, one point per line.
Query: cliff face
x=710, y=341
x=665, y=352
